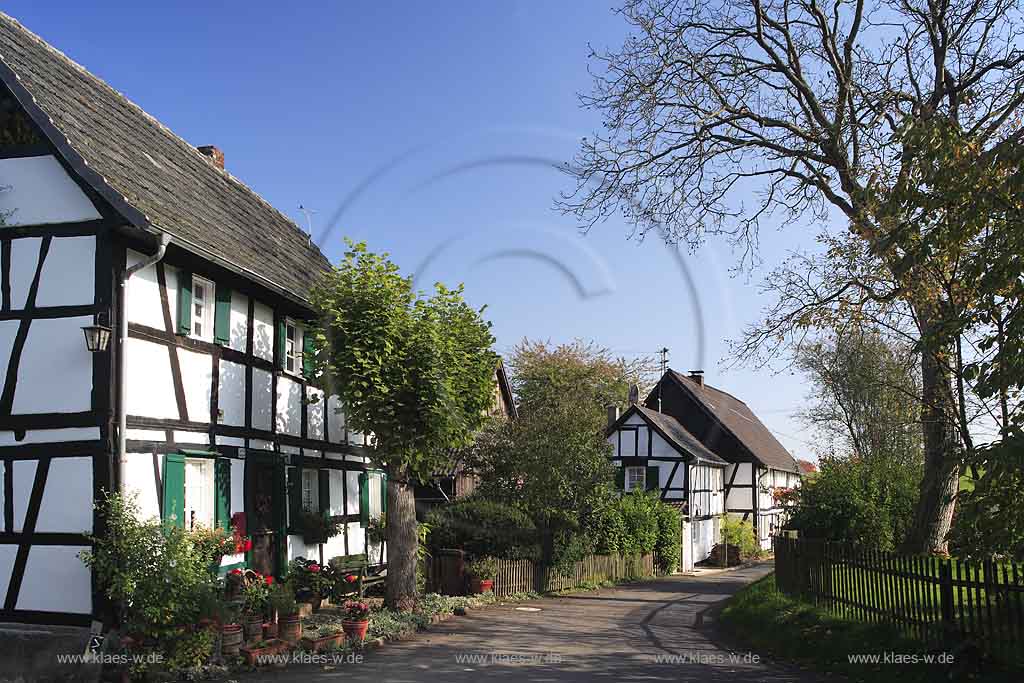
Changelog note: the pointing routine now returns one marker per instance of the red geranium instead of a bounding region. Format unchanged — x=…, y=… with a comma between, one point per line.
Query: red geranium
x=235, y=572
x=351, y=578
x=314, y=568
x=269, y=579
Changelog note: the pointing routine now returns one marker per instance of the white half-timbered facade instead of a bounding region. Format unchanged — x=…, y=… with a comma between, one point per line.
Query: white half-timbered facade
x=757, y=463
x=653, y=452
x=105, y=215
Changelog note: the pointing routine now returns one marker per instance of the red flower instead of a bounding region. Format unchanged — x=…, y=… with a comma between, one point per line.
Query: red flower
x=269, y=579
x=351, y=578
x=247, y=546
x=314, y=567
x=235, y=572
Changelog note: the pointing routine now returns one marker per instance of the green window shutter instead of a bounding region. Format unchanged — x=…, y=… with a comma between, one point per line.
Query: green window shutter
x=222, y=484
x=184, y=302
x=324, y=477
x=222, y=316
x=174, y=489
x=383, y=493
x=651, y=478
x=308, y=354
x=620, y=478
x=279, y=344
x=364, y=499
x=295, y=492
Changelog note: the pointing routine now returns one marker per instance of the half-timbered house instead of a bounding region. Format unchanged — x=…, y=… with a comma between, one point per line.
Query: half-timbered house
x=654, y=452
x=201, y=402
x=758, y=463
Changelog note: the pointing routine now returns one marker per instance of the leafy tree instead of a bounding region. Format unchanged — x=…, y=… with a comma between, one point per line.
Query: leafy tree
x=865, y=397
x=415, y=371
x=483, y=527
x=554, y=464
x=865, y=408
x=720, y=115
x=542, y=375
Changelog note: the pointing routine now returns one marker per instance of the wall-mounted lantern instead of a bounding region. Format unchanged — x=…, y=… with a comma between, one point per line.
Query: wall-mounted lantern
x=97, y=336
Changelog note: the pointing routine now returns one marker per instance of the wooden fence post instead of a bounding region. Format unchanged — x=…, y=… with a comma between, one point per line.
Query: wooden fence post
x=946, y=603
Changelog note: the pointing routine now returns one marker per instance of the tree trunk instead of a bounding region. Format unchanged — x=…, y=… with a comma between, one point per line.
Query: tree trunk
x=402, y=543
x=934, y=513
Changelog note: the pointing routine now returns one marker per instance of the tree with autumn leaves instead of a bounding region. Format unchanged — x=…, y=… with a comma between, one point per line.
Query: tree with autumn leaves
x=721, y=117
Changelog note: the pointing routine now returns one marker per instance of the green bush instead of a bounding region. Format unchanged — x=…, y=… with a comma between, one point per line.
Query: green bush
x=856, y=501
x=739, y=533
x=483, y=527
x=640, y=519
x=667, y=547
x=158, y=575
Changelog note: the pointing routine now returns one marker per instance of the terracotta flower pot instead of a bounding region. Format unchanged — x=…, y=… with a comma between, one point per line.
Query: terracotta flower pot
x=322, y=644
x=290, y=627
x=481, y=585
x=253, y=627
x=355, y=630
x=270, y=630
x=231, y=640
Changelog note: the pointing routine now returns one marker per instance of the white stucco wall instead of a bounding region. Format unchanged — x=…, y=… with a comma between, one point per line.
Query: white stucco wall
x=50, y=567
x=67, y=502
x=69, y=272
x=54, y=355
x=150, y=383
x=231, y=393
x=41, y=193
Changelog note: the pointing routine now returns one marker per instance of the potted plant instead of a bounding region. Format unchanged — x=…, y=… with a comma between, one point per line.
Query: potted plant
x=482, y=571
x=255, y=594
x=377, y=533
x=280, y=602
x=312, y=581
x=316, y=527
x=257, y=653
x=320, y=638
x=357, y=619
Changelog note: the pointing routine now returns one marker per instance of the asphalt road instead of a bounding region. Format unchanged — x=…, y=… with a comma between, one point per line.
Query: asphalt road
x=658, y=630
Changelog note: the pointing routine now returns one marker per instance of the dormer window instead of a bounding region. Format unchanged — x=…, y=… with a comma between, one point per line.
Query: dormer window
x=202, y=309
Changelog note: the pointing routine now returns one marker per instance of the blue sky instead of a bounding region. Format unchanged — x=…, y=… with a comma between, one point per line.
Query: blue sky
x=431, y=131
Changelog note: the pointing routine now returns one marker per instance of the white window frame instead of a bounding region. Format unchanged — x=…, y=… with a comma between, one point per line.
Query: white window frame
x=203, y=316
x=292, y=347
x=200, y=496
x=630, y=483
x=310, y=490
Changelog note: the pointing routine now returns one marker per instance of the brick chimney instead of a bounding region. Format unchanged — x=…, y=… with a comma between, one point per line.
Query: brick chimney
x=212, y=151
x=613, y=415
x=697, y=376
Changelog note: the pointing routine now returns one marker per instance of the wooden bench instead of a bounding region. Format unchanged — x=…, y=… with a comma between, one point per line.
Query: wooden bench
x=357, y=565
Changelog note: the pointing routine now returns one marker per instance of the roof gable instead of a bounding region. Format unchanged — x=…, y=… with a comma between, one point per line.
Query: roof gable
x=672, y=432
x=735, y=417
x=152, y=177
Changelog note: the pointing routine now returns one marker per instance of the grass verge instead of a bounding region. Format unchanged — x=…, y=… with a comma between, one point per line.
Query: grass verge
x=770, y=623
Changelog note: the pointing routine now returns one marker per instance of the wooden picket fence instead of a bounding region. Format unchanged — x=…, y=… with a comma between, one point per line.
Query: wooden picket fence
x=939, y=602
x=521, y=576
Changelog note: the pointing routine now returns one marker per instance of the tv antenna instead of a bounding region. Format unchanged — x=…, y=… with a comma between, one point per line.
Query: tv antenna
x=308, y=213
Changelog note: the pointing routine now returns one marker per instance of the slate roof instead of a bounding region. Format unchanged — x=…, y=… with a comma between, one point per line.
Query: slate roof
x=171, y=185
x=673, y=432
x=738, y=419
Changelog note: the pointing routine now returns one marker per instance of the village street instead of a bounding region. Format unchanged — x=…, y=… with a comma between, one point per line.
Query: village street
x=650, y=631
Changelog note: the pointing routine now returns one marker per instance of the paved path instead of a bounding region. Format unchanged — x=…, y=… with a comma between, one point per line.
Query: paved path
x=650, y=631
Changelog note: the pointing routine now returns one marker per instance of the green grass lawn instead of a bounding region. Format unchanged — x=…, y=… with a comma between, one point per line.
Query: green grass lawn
x=771, y=623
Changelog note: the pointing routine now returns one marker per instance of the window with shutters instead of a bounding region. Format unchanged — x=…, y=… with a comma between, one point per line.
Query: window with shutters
x=200, y=495
x=310, y=491
x=292, y=347
x=375, y=493
x=202, y=309
x=636, y=478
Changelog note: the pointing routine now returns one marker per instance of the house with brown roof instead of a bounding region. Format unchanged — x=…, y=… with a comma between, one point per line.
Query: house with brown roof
x=193, y=389
x=726, y=459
